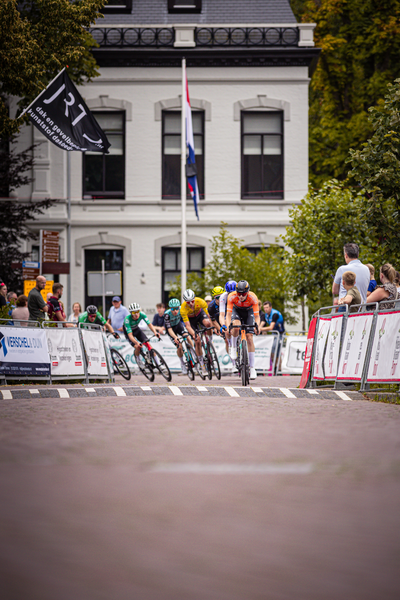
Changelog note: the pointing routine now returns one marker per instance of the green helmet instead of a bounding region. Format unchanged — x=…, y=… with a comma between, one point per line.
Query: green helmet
x=174, y=303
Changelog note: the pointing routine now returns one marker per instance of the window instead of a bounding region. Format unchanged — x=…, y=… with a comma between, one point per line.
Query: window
x=184, y=6
x=262, y=155
x=113, y=261
x=171, y=266
x=253, y=250
x=171, y=153
x=104, y=174
x=117, y=6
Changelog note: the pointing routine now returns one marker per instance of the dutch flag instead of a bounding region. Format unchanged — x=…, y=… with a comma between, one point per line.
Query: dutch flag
x=191, y=159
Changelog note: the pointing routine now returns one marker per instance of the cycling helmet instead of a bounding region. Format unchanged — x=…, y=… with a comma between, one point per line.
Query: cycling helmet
x=230, y=286
x=242, y=287
x=174, y=303
x=91, y=309
x=134, y=307
x=188, y=295
x=217, y=291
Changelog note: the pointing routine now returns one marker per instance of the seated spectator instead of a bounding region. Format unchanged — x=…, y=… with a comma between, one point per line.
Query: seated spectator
x=353, y=295
x=56, y=308
x=21, y=311
x=76, y=311
x=372, y=283
x=158, y=319
x=387, y=291
x=117, y=314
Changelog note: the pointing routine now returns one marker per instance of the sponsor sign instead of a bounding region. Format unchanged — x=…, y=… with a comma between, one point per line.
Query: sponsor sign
x=94, y=348
x=23, y=352
x=355, y=346
x=333, y=347
x=322, y=335
x=294, y=354
x=309, y=353
x=65, y=351
x=28, y=285
x=384, y=364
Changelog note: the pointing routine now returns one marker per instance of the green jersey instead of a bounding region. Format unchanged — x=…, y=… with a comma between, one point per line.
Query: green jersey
x=131, y=323
x=99, y=320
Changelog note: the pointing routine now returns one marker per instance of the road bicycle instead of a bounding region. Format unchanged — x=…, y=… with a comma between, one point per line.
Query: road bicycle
x=190, y=358
x=149, y=361
x=242, y=360
x=118, y=362
x=209, y=354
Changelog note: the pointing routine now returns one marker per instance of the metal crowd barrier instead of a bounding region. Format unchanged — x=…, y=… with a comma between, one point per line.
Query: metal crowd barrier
x=110, y=374
x=12, y=324
x=283, y=366
x=73, y=332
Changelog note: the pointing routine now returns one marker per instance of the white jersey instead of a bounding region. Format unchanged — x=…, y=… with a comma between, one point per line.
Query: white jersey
x=223, y=301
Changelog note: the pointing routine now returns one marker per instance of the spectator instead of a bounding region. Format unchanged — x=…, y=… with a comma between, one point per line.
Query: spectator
x=372, y=282
x=21, y=311
x=117, y=314
x=273, y=319
x=11, y=297
x=158, y=319
x=208, y=299
x=262, y=315
x=76, y=311
x=36, y=305
x=386, y=291
x=397, y=282
x=353, y=295
x=351, y=252
x=3, y=294
x=56, y=308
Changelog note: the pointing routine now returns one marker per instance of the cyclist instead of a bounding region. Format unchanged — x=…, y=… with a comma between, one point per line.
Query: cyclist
x=243, y=308
x=195, y=311
x=174, y=326
x=136, y=336
x=213, y=307
x=92, y=315
x=230, y=286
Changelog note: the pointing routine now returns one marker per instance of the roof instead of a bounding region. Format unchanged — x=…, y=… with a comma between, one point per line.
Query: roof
x=155, y=12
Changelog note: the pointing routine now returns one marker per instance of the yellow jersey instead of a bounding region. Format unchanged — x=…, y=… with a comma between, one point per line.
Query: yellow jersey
x=187, y=311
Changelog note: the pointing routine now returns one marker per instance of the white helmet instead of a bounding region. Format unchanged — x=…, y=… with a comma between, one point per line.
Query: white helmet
x=134, y=307
x=188, y=295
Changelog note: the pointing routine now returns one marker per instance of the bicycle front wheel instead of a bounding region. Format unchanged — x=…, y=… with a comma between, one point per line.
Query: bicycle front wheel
x=214, y=360
x=207, y=359
x=160, y=364
x=245, y=364
x=144, y=367
x=119, y=364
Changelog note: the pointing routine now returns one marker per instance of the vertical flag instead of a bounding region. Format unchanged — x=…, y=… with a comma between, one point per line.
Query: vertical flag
x=191, y=170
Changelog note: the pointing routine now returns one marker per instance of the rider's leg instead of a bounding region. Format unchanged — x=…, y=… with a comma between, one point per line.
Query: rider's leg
x=251, y=348
x=234, y=337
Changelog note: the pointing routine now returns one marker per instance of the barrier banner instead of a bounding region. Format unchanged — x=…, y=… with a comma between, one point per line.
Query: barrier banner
x=294, y=354
x=355, y=346
x=23, y=352
x=94, y=348
x=333, y=347
x=322, y=336
x=309, y=353
x=384, y=363
x=65, y=351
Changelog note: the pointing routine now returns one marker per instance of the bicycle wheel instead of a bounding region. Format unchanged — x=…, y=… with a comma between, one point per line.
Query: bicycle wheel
x=214, y=360
x=145, y=367
x=189, y=359
x=160, y=364
x=245, y=364
x=207, y=359
x=119, y=364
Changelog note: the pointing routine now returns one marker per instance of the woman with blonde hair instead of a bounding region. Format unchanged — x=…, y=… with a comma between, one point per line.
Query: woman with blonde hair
x=388, y=289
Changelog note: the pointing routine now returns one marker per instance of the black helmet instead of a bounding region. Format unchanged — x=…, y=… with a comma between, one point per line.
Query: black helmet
x=91, y=309
x=242, y=287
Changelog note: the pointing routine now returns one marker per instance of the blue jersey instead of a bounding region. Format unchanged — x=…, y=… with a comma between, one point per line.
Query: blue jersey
x=213, y=310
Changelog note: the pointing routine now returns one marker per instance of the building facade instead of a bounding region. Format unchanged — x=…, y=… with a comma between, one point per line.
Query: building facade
x=248, y=67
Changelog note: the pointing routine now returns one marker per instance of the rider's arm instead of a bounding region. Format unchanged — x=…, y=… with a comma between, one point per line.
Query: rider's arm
x=153, y=329
x=108, y=327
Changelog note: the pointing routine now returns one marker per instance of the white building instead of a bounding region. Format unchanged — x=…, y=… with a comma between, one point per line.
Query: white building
x=248, y=67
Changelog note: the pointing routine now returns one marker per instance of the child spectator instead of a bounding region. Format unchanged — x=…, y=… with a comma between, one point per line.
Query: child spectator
x=372, y=283
x=352, y=296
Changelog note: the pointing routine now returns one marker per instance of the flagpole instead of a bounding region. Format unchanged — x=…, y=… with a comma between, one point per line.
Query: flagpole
x=69, y=291
x=183, y=179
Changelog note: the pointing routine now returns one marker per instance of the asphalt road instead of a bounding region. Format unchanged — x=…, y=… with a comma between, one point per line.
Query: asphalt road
x=203, y=495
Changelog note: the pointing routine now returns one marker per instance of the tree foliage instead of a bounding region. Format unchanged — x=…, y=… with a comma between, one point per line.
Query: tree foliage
x=360, y=55
x=38, y=39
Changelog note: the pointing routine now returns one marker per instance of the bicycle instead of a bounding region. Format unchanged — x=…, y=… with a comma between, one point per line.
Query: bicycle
x=190, y=359
x=118, y=362
x=150, y=360
x=210, y=356
x=242, y=361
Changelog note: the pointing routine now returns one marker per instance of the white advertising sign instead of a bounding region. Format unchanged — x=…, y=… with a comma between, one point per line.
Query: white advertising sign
x=23, y=352
x=333, y=347
x=96, y=356
x=322, y=335
x=355, y=346
x=293, y=354
x=65, y=351
x=384, y=364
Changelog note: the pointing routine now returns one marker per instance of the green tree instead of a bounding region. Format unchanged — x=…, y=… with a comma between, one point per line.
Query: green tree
x=376, y=167
x=38, y=39
x=360, y=55
x=326, y=220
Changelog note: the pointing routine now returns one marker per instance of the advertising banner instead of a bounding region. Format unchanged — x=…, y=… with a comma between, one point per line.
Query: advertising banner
x=333, y=347
x=293, y=354
x=309, y=352
x=384, y=364
x=23, y=352
x=94, y=348
x=355, y=346
x=65, y=351
x=322, y=335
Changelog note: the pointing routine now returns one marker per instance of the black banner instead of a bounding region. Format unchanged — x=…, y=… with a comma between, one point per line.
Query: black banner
x=60, y=113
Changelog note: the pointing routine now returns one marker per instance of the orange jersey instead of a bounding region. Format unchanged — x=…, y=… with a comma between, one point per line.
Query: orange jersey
x=250, y=302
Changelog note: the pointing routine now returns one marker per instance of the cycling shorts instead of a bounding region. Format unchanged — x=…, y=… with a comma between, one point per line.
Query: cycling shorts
x=198, y=319
x=138, y=334
x=245, y=316
x=178, y=329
